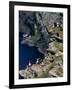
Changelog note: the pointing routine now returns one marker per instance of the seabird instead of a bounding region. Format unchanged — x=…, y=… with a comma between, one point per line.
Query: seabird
x=45, y=56
x=54, y=25
x=58, y=25
x=29, y=64
x=37, y=61
x=25, y=35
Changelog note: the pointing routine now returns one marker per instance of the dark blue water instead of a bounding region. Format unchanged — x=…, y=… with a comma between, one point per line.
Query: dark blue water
x=27, y=53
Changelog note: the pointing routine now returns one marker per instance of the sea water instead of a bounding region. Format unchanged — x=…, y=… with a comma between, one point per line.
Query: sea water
x=27, y=53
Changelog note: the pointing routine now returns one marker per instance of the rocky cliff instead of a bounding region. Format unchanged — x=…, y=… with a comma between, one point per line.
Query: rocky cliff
x=35, y=26
x=52, y=64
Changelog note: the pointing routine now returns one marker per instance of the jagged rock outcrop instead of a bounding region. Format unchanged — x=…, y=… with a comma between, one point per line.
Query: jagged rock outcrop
x=52, y=64
x=36, y=26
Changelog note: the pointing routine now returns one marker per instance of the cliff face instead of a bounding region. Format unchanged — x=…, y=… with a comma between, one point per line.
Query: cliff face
x=35, y=27
x=45, y=31
x=28, y=19
x=52, y=64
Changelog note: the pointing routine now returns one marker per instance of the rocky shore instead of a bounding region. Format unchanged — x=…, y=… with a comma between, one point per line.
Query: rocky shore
x=52, y=64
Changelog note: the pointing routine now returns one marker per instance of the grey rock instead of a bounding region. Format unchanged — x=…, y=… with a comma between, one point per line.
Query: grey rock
x=36, y=24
